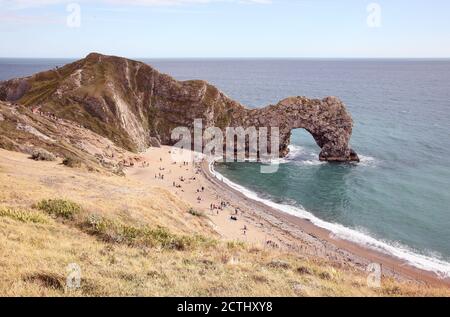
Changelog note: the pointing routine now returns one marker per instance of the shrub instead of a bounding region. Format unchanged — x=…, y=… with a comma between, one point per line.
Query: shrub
x=113, y=231
x=278, y=264
x=72, y=162
x=59, y=208
x=22, y=215
x=42, y=155
x=46, y=279
x=195, y=213
x=235, y=245
x=325, y=276
x=303, y=270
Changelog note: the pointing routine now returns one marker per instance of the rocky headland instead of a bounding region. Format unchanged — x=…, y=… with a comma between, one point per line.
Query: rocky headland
x=135, y=107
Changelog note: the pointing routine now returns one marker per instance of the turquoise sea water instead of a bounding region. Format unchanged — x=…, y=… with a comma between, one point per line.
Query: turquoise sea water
x=398, y=198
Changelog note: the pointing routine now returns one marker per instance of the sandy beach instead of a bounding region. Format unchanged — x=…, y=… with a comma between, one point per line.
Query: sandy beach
x=236, y=217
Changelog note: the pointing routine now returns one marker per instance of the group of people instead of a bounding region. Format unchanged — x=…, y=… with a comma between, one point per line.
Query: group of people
x=51, y=116
x=201, y=190
x=127, y=163
x=222, y=205
x=272, y=244
x=176, y=185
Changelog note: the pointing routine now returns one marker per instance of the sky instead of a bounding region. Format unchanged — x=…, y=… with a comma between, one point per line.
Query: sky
x=226, y=28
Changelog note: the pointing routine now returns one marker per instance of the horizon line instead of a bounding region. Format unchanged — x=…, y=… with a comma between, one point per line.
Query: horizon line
x=225, y=57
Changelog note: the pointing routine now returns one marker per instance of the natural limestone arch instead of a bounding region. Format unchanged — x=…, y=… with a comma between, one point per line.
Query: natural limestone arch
x=326, y=120
x=137, y=106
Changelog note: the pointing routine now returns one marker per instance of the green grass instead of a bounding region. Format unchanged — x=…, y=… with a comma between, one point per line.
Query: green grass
x=59, y=208
x=40, y=91
x=23, y=215
x=116, y=232
x=235, y=245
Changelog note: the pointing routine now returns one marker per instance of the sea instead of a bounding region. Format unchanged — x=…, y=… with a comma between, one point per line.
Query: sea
x=397, y=199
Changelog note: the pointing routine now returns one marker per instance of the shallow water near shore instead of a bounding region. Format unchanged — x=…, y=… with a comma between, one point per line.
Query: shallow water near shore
x=397, y=199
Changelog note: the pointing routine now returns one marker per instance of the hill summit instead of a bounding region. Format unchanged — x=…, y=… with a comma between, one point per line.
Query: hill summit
x=135, y=106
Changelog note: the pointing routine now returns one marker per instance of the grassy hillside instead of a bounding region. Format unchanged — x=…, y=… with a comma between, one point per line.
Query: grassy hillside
x=24, y=131
x=132, y=240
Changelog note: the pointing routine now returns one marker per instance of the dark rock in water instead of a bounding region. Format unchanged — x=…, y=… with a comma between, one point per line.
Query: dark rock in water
x=132, y=104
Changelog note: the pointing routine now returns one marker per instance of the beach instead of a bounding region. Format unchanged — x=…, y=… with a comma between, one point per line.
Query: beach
x=234, y=216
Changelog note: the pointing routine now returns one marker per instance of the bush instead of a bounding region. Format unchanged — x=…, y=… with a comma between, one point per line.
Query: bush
x=303, y=270
x=22, y=215
x=42, y=155
x=113, y=231
x=235, y=245
x=72, y=162
x=278, y=264
x=195, y=213
x=325, y=276
x=59, y=208
x=46, y=279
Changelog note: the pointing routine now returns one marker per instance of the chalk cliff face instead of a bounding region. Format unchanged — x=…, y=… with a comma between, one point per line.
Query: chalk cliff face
x=135, y=106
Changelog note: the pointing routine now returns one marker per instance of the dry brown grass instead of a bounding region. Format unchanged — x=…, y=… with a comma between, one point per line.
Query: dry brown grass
x=117, y=252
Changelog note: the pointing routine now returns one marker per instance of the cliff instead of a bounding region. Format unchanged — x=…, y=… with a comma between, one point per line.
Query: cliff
x=133, y=105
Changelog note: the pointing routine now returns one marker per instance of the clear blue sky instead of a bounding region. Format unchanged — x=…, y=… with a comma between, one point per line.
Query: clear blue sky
x=226, y=28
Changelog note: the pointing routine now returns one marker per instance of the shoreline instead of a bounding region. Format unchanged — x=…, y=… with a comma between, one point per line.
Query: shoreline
x=358, y=252
x=260, y=224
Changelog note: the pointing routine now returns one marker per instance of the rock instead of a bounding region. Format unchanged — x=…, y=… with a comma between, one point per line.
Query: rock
x=42, y=155
x=32, y=130
x=154, y=142
x=137, y=107
x=330, y=126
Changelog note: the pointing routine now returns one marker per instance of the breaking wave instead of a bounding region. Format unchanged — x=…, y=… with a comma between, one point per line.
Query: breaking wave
x=426, y=262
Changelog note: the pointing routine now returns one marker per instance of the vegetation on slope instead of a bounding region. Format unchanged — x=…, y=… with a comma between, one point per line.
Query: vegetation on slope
x=131, y=241
x=48, y=138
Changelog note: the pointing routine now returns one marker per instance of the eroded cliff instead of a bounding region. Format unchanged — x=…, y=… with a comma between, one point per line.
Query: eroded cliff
x=132, y=104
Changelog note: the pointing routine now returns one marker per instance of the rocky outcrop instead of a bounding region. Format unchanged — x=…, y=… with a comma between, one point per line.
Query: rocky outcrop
x=326, y=120
x=22, y=130
x=135, y=106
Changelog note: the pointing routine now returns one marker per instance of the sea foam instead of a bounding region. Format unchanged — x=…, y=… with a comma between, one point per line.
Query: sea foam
x=301, y=156
x=440, y=267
